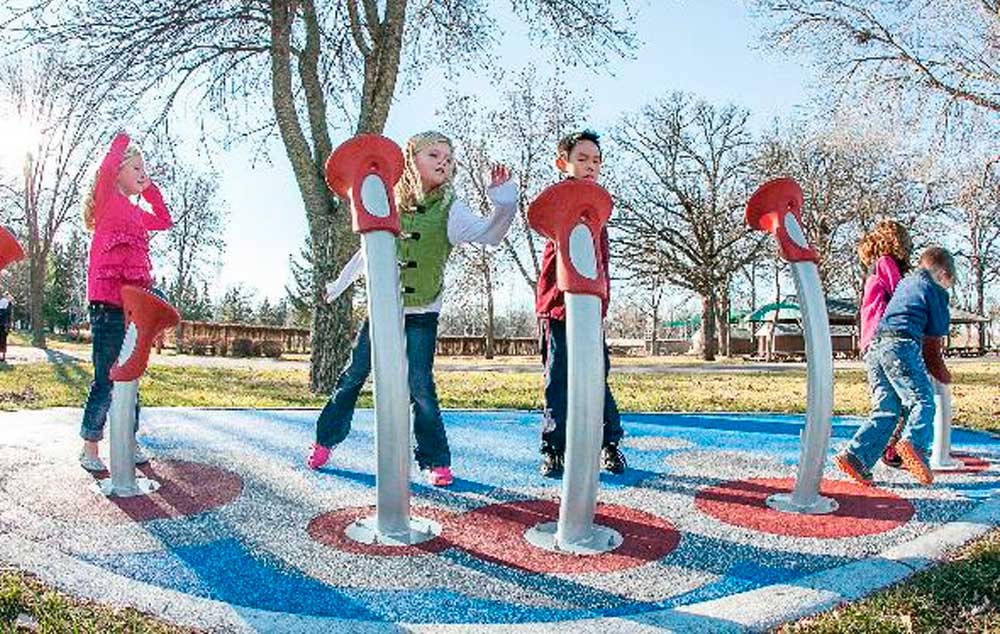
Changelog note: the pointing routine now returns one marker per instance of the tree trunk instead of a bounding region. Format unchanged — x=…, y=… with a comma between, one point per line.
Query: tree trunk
x=490, y=308
x=977, y=262
x=37, y=256
x=709, y=347
x=723, y=319
x=331, y=327
x=656, y=322
x=36, y=303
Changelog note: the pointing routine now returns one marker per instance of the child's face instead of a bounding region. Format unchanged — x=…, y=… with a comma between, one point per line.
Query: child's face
x=943, y=279
x=434, y=165
x=132, y=177
x=583, y=162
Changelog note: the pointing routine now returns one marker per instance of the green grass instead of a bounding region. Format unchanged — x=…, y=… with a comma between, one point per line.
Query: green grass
x=41, y=385
x=55, y=612
x=962, y=596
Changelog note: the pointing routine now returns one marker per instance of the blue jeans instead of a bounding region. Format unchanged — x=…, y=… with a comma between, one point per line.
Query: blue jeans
x=899, y=382
x=428, y=428
x=556, y=388
x=107, y=329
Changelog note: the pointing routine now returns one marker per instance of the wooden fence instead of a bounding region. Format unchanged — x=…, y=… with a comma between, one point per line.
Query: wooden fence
x=215, y=338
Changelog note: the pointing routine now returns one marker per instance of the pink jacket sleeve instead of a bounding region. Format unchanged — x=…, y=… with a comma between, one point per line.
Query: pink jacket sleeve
x=887, y=273
x=160, y=218
x=108, y=171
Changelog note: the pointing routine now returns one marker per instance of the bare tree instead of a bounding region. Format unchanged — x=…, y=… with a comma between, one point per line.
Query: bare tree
x=973, y=223
x=850, y=179
x=680, y=211
x=944, y=52
x=522, y=133
x=43, y=95
x=344, y=55
x=195, y=243
x=477, y=260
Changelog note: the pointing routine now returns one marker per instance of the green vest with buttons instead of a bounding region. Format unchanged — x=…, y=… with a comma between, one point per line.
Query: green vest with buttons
x=423, y=249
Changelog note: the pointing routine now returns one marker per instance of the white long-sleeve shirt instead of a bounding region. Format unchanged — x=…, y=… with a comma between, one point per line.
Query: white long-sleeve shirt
x=463, y=226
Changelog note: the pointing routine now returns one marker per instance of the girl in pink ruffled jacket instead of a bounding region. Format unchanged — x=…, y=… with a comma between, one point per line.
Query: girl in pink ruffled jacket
x=119, y=256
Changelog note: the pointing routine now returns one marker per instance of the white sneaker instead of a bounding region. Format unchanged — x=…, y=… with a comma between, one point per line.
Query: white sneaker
x=140, y=455
x=91, y=463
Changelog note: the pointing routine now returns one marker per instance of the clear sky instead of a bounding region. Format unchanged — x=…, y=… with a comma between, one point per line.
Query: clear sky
x=706, y=47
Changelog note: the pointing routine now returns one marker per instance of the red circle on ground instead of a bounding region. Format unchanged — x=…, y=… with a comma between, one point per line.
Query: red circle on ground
x=329, y=528
x=186, y=488
x=496, y=533
x=61, y=491
x=970, y=464
x=861, y=510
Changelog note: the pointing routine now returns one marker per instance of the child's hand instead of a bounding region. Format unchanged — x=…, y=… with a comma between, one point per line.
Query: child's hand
x=499, y=174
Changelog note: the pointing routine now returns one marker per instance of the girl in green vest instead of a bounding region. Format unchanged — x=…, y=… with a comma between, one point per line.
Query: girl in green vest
x=432, y=222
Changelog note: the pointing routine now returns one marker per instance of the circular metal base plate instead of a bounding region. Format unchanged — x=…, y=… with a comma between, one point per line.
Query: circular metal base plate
x=143, y=486
x=783, y=502
x=602, y=540
x=365, y=531
x=947, y=464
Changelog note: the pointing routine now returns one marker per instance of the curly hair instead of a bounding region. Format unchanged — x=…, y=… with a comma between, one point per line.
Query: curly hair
x=887, y=238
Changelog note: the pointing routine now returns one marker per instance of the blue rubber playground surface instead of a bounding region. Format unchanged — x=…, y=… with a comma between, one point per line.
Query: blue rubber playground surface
x=243, y=537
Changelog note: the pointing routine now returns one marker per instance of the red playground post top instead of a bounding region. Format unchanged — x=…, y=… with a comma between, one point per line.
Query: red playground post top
x=347, y=171
x=146, y=316
x=10, y=250
x=572, y=213
x=776, y=207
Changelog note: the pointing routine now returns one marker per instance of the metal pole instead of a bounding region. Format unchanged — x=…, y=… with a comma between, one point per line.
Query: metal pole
x=575, y=531
x=805, y=497
x=123, y=481
x=941, y=459
x=389, y=368
x=584, y=420
x=392, y=524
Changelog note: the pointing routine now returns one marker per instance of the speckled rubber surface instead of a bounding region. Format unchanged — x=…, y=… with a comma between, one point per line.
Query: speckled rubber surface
x=242, y=537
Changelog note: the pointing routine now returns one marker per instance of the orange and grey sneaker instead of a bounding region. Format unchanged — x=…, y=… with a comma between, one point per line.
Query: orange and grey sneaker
x=914, y=461
x=852, y=467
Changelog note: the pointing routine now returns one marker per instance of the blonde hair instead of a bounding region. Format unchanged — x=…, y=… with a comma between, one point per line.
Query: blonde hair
x=887, y=238
x=409, y=190
x=89, y=218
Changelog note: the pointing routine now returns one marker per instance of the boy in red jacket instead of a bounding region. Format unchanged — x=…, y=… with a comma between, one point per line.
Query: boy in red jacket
x=578, y=156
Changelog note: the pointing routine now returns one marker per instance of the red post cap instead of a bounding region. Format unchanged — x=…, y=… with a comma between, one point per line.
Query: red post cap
x=349, y=168
x=10, y=250
x=572, y=214
x=776, y=207
x=146, y=316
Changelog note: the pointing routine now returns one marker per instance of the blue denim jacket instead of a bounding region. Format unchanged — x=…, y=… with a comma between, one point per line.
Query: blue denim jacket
x=918, y=308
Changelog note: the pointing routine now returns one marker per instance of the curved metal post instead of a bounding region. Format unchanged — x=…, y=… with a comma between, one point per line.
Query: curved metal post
x=941, y=459
x=573, y=214
x=364, y=169
x=776, y=207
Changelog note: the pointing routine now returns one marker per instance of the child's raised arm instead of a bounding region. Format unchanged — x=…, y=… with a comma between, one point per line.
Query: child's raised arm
x=108, y=171
x=465, y=226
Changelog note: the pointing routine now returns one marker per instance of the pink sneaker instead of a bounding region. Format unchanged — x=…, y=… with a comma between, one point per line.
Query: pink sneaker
x=438, y=476
x=318, y=457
